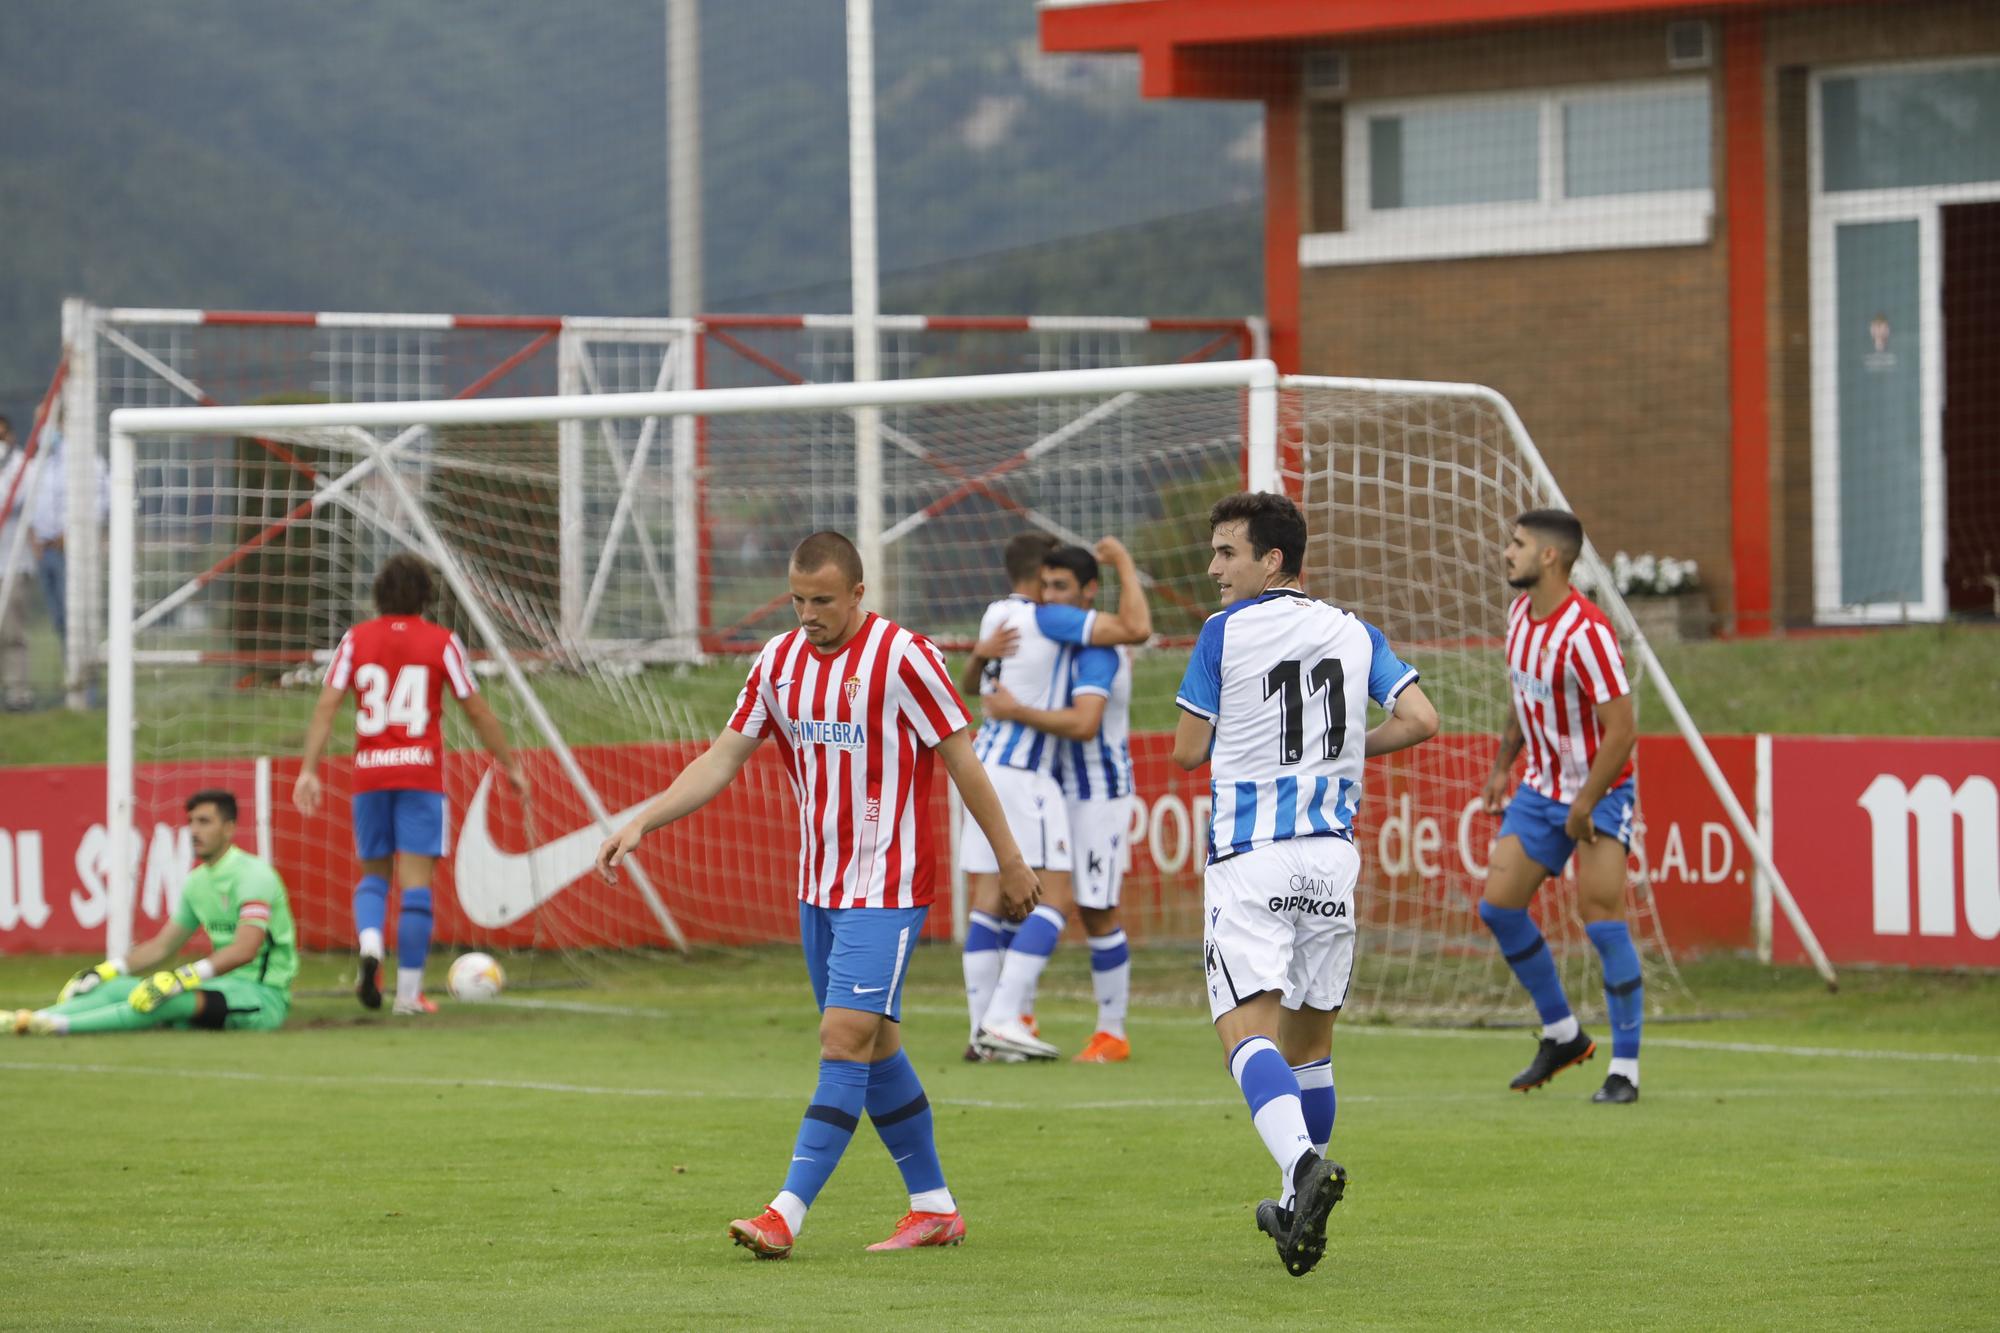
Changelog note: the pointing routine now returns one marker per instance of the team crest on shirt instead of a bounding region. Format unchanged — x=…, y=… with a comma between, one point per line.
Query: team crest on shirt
x=852, y=689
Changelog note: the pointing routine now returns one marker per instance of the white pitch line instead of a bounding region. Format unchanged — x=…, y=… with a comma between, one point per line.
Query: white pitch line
x=1377, y=1030
x=977, y=1103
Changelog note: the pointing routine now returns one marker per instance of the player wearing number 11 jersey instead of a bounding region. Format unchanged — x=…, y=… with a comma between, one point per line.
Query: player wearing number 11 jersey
x=398, y=667
x=1275, y=701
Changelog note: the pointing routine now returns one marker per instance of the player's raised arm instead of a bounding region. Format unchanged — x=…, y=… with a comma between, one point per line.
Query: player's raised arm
x=1133, y=621
x=695, y=786
x=1020, y=889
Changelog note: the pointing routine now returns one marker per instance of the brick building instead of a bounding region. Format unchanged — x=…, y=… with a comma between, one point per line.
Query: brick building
x=1737, y=264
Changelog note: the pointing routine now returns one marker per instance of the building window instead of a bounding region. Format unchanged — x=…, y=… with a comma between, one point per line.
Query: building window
x=1454, y=155
x=1613, y=167
x=1895, y=130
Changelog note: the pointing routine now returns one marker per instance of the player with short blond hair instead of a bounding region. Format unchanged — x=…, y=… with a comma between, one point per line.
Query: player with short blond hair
x=859, y=707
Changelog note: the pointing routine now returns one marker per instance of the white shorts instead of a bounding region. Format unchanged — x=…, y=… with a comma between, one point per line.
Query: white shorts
x=1101, y=833
x=1281, y=918
x=1035, y=813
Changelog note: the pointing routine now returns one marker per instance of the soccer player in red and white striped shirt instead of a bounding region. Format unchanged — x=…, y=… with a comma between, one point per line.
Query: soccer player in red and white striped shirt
x=858, y=705
x=398, y=667
x=1573, y=715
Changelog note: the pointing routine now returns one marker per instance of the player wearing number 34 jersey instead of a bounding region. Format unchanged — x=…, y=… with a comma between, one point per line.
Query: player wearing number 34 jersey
x=398, y=667
x=1275, y=701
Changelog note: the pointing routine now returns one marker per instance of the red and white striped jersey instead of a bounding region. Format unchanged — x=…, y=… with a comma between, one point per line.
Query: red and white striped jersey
x=398, y=668
x=1561, y=668
x=855, y=730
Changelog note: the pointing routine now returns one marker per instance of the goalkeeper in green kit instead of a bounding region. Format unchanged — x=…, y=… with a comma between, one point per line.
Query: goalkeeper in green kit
x=246, y=983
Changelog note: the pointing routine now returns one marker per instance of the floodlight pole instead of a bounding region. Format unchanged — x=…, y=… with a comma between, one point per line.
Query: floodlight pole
x=684, y=253
x=867, y=293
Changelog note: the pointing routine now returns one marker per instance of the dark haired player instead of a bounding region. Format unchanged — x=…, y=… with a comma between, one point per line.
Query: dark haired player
x=245, y=982
x=398, y=666
x=1573, y=714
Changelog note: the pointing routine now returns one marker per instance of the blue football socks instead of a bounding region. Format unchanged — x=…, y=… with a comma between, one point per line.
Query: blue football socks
x=1624, y=993
x=1522, y=945
x=902, y=1114
x=824, y=1133
x=371, y=911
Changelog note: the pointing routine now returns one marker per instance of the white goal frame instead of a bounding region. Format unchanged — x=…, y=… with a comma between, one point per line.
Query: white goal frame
x=1259, y=380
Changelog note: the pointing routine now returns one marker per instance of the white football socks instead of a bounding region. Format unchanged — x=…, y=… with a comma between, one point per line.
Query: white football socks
x=792, y=1208
x=371, y=943
x=982, y=974
x=1112, y=986
x=931, y=1201
x=409, y=984
x=1629, y=1067
x=1564, y=1029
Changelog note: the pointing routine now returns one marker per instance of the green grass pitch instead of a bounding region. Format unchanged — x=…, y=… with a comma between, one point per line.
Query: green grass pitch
x=570, y=1159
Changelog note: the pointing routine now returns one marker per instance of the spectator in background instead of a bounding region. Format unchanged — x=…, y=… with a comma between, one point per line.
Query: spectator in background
x=50, y=520
x=14, y=692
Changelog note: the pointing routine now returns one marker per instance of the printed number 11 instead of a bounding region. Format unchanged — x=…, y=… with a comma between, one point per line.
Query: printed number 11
x=1327, y=678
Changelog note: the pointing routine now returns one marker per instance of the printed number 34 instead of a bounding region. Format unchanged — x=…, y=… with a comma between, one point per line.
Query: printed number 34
x=382, y=705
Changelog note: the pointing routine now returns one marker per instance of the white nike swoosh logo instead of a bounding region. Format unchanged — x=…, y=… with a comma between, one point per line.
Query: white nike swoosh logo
x=867, y=990
x=904, y=1158
x=497, y=888
x=802, y=1159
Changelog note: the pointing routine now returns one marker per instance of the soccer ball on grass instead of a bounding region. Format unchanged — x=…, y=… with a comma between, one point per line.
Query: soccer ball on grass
x=475, y=978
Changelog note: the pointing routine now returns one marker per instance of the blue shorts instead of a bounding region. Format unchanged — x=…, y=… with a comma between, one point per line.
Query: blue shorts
x=1538, y=823
x=857, y=957
x=398, y=820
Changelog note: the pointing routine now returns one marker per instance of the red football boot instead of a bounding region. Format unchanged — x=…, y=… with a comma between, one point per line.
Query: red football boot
x=918, y=1230
x=765, y=1235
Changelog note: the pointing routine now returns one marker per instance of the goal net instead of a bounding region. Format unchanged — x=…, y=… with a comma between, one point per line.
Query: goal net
x=245, y=539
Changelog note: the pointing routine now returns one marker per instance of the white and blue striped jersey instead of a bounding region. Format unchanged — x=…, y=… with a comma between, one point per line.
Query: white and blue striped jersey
x=1037, y=674
x=1285, y=680
x=1100, y=769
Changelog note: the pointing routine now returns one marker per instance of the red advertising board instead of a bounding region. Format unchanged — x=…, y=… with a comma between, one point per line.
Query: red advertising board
x=1892, y=848
x=728, y=874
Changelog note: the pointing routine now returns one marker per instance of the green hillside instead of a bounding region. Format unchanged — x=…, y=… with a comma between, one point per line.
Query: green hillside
x=482, y=155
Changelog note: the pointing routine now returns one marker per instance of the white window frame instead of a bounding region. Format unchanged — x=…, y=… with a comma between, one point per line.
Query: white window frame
x=1547, y=224
x=1921, y=204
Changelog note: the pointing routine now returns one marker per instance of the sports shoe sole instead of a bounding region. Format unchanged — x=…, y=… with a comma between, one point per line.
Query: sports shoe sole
x=1588, y=1052
x=1305, y=1243
x=368, y=989
x=987, y=1040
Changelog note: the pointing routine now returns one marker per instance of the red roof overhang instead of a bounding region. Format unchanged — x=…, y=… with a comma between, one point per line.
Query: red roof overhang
x=1233, y=48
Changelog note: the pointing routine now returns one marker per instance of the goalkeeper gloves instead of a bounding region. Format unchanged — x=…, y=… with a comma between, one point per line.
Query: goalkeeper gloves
x=157, y=989
x=88, y=980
